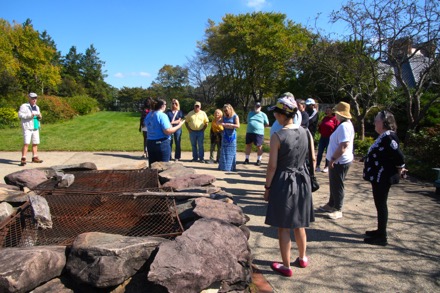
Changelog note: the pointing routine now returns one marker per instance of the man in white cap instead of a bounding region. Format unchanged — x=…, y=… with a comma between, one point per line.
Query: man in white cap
x=313, y=115
x=30, y=116
x=256, y=121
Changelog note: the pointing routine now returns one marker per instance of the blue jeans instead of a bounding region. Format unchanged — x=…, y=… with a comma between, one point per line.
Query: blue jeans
x=197, y=138
x=158, y=151
x=323, y=144
x=177, y=136
x=336, y=178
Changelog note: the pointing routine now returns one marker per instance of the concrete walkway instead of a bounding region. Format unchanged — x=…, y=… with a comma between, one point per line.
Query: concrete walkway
x=339, y=260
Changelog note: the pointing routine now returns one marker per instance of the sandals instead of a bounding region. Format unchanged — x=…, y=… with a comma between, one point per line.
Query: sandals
x=282, y=269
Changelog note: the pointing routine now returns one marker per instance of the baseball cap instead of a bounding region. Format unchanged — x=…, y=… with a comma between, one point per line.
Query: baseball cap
x=257, y=105
x=197, y=104
x=310, y=101
x=33, y=95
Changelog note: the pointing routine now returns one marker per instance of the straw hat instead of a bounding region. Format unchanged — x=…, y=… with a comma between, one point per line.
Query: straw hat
x=342, y=109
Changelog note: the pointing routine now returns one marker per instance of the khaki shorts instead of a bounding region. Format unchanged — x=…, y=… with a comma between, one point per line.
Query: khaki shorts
x=33, y=135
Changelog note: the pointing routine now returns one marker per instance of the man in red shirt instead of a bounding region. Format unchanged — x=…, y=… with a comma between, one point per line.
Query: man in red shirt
x=326, y=127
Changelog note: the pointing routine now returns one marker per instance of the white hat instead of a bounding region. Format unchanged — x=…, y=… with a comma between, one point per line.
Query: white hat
x=33, y=95
x=310, y=101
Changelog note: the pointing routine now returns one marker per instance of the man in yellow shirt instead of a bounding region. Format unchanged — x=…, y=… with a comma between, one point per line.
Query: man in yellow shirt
x=196, y=122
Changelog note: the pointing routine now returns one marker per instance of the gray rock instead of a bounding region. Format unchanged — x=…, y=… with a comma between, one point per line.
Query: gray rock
x=102, y=260
x=66, y=180
x=23, y=269
x=185, y=210
x=26, y=178
x=162, y=166
x=41, y=211
x=174, y=171
x=190, y=180
x=6, y=210
x=210, y=251
x=214, y=209
x=54, y=285
x=76, y=167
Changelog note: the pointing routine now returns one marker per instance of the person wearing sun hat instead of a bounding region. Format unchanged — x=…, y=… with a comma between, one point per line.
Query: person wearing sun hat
x=340, y=155
x=288, y=187
x=30, y=117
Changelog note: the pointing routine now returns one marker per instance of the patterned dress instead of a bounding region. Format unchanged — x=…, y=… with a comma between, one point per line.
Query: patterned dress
x=290, y=197
x=228, y=150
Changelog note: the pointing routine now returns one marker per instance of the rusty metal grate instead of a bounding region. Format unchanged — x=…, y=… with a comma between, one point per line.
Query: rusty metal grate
x=73, y=214
x=103, y=181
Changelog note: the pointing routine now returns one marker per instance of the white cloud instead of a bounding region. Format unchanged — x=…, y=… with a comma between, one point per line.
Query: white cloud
x=257, y=4
x=124, y=75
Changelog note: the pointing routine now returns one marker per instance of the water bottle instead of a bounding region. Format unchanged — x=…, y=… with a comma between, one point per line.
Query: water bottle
x=36, y=123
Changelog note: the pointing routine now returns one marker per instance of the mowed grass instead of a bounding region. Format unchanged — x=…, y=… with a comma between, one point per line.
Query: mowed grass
x=102, y=131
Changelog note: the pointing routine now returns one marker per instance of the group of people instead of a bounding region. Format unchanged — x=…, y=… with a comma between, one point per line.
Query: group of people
x=288, y=182
x=288, y=189
x=223, y=133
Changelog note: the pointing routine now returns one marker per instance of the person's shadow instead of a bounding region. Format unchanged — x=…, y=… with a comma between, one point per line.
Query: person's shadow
x=9, y=162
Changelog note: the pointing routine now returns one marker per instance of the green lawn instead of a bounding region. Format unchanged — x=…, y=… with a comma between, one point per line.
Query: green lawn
x=102, y=131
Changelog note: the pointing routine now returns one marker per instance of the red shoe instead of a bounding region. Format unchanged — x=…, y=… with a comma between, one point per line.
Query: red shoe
x=303, y=262
x=282, y=269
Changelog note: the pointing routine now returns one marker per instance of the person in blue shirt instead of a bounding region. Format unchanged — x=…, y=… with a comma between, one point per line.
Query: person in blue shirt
x=256, y=121
x=159, y=130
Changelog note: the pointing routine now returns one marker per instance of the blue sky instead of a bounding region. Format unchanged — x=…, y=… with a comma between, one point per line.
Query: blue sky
x=135, y=38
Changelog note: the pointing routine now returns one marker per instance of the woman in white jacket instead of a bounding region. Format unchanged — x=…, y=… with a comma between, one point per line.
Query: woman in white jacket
x=30, y=116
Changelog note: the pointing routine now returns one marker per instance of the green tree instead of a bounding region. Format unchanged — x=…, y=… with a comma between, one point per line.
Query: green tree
x=400, y=33
x=347, y=70
x=72, y=80
x=9, y=65
x=91, y=67
x=131, y=99
x=171, y=82
x=37, y=70
x=252, y=53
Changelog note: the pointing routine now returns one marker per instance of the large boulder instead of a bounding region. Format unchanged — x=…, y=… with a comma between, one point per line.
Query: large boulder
x=102, y=260
x=41, y=211
x=86, y=166
x=11, y=193
x=210, y=251
x=6, y=210
x=27, y=178
x=214, y=209
x=23, y=269
x=190, y=180
x=174, y=171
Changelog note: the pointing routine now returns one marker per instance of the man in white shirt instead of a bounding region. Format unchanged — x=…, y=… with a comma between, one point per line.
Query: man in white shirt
x=30, y=116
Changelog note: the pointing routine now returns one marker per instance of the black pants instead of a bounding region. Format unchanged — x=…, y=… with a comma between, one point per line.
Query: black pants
x=380, y=195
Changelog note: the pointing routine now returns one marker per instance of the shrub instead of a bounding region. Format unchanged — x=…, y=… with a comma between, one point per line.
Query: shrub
x=361, y=146
x=421, y=150
x=54, y=109
x=8, y=117
x=83, y=104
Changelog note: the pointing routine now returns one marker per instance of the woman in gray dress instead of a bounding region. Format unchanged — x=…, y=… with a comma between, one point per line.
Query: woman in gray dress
x=288, y=188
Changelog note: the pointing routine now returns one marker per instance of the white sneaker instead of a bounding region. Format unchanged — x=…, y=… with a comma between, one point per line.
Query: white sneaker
x=325, y=170
x=318, y=169
x=335, y=215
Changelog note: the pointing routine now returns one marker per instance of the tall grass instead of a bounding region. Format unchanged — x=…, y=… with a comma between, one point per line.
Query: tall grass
x=102, y=131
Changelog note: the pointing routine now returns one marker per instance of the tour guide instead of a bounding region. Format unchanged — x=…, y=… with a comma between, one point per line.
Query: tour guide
x=196, y=122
